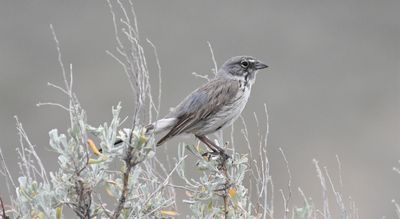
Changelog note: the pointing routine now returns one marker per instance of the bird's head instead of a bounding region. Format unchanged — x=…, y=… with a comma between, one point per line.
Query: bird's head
x=241, y=67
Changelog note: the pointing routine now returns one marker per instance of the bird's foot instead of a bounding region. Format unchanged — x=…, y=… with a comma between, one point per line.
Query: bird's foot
x=214, y=154
x=224, y=155
x=210, y=154
x=221, y=153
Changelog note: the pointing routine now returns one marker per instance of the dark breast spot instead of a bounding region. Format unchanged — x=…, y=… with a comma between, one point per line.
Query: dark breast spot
x=246, y=79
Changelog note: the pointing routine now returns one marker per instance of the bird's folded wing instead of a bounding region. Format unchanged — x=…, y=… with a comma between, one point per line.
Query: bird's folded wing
x=201, y=104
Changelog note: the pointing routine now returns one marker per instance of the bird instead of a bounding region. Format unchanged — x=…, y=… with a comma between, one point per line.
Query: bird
x=214, y=105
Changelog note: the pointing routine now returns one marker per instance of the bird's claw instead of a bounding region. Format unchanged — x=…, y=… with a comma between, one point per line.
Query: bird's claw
x=223, y=155
x=210, y=154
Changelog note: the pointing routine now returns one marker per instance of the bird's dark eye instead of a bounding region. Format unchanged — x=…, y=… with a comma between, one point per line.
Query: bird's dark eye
x=244, y=64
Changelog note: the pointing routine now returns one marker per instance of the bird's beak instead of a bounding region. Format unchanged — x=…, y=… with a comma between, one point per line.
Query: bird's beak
x=259, y=65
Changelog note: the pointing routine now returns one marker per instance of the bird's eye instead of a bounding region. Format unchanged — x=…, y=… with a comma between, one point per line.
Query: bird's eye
x=244, y=64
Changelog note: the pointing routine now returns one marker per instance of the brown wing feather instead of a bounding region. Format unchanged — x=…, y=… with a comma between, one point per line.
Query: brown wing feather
x=218, y=92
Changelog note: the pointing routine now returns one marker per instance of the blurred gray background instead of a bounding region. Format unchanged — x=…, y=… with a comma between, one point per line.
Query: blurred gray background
x=333, y=86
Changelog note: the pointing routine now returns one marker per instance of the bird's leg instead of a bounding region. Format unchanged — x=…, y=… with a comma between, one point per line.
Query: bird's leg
x=215, y=148
x=208, y=143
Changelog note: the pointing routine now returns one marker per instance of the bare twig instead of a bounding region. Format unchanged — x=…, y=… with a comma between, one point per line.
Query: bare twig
x=130, y=55
x=53, y=104
x=159, y=78
x=226, y=188
x=397, y=208
x=80, y=162
x=215, y=70
x=165, y=183
x=6, y=173
x=326, y=212
x=338, y=196
x=205, y=77
x=286, y=200
x=125, y=181
x=3, y=210
x=340, y=171
x=30, y=150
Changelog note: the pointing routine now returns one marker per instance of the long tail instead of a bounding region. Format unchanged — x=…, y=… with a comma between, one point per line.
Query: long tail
x=156, y=127
x=160, y=125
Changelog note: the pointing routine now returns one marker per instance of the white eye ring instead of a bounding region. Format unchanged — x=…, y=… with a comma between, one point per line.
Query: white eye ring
x=244, y=63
